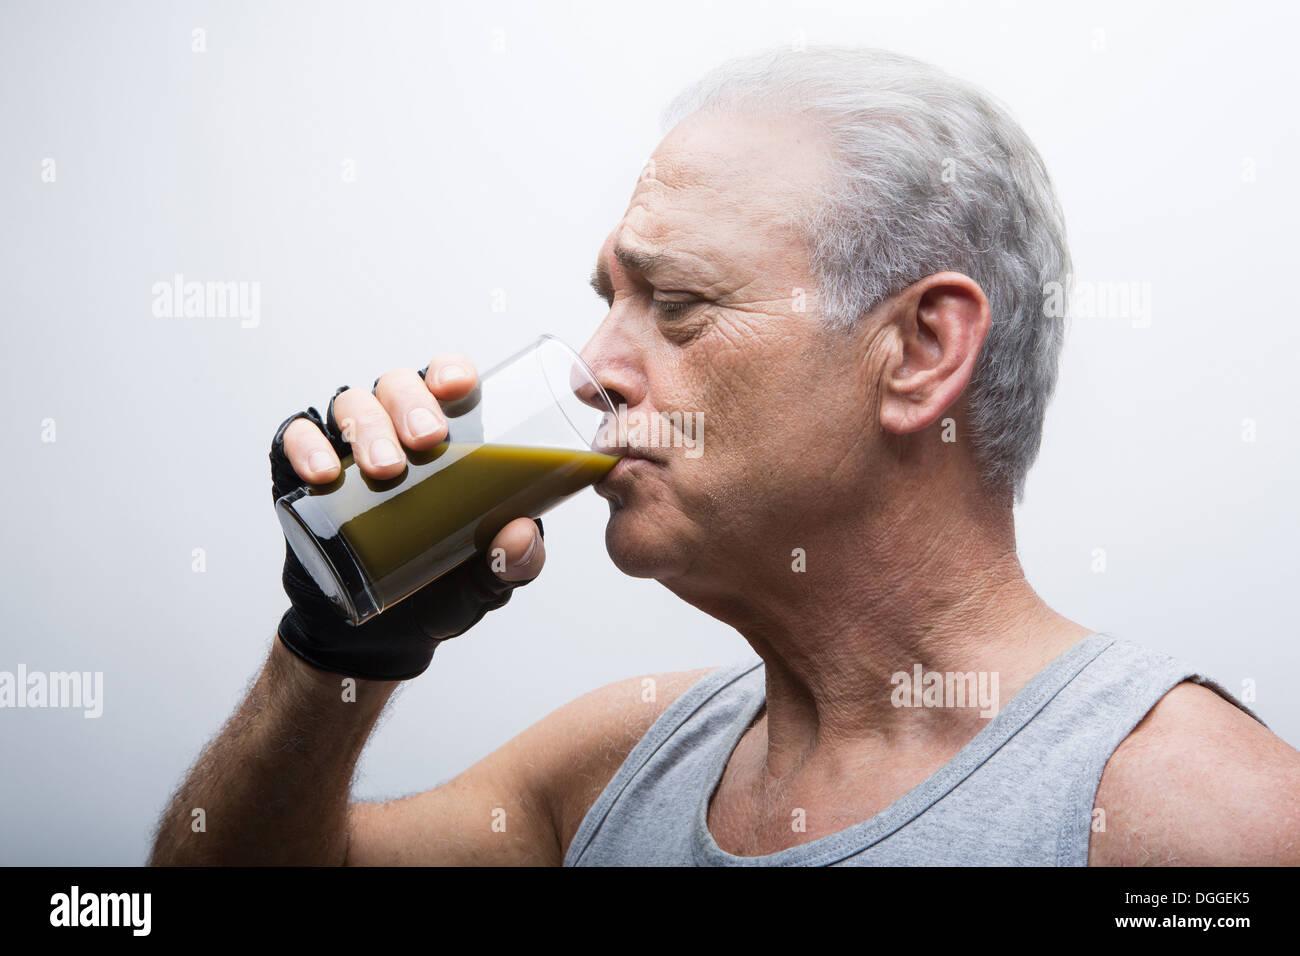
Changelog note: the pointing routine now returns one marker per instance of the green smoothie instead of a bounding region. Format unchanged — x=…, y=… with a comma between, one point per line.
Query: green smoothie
x=447, y=506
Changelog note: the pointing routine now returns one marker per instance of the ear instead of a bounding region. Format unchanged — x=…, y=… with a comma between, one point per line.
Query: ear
x=940, y=324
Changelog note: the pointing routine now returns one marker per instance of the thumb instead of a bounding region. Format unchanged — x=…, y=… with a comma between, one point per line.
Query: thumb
x=518, y=552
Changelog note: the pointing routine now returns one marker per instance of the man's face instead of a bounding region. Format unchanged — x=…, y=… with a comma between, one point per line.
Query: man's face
x=714, y=312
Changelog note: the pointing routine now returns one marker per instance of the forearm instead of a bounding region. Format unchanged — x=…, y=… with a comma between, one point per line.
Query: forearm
x=273, y=786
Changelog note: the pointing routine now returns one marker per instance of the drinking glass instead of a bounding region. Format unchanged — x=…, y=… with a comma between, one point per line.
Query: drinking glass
x=519, y=444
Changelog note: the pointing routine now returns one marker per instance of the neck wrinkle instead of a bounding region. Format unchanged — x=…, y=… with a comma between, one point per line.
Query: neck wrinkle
x=954, y=599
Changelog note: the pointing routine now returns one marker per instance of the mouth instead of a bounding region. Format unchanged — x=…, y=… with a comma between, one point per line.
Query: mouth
x=633, y=459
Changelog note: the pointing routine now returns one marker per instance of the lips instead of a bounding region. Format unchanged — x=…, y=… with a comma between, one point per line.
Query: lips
x=605, y=445
x=626, y=451
x=626, y=463
x=640, y=454
x=632, y=458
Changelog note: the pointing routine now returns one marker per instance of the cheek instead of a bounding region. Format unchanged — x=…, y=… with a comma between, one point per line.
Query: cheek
x=779, y=435
x=750, y=405
x=752, y=400
x=735, y=440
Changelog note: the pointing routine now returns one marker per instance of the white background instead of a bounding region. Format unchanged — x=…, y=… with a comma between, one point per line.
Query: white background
x=1170, y=132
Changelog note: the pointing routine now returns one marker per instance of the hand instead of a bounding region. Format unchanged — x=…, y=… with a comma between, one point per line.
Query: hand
x=402, y=413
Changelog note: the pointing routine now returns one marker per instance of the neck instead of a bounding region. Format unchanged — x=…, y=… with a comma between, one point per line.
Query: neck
x=883, y=591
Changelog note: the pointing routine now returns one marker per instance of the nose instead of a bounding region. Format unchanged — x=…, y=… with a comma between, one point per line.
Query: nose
x=615, y=365
x=588, y=392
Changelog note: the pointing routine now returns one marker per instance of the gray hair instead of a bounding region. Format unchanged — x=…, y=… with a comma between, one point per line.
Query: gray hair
x=932, y=174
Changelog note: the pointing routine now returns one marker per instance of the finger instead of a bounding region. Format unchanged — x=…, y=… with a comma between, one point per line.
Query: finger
x=365, y=425
x=310, y=453
x=410, y=407
x=524, y=550
x=450, y=376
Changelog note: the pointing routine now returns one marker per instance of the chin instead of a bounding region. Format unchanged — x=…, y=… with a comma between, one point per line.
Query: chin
x=637, y=547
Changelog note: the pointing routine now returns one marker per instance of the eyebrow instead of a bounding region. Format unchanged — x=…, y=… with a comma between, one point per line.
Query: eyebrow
x=600, y=282
x=638, y=260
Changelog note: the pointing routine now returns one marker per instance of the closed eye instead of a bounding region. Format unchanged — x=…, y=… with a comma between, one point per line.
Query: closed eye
x=673, y=307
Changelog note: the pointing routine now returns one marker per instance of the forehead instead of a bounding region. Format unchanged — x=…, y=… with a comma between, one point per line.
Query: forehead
x=724, y=181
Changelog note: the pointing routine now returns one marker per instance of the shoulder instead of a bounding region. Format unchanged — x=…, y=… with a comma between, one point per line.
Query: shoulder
x=593, y=734
x=1198, y=783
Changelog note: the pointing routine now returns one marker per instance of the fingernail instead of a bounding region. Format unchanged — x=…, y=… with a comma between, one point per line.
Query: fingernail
x=320, y=461
x=450, y=373
x=421, y=422
x=531, y=552
x=383, y=452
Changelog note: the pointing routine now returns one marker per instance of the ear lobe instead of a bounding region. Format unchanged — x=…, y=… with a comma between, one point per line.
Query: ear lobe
x=941, y=323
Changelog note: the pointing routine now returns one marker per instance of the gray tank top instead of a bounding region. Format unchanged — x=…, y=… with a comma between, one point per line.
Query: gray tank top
x=1019, y=793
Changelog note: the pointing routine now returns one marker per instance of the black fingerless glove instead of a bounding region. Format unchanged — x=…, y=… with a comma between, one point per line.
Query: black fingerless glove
x=399, y=643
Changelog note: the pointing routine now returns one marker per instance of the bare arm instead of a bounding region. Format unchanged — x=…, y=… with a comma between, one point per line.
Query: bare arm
x=1199, y=783
x=273, y=785
x=522, y=803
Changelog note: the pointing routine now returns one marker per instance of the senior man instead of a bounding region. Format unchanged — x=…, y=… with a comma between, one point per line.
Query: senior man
x=838, y=258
